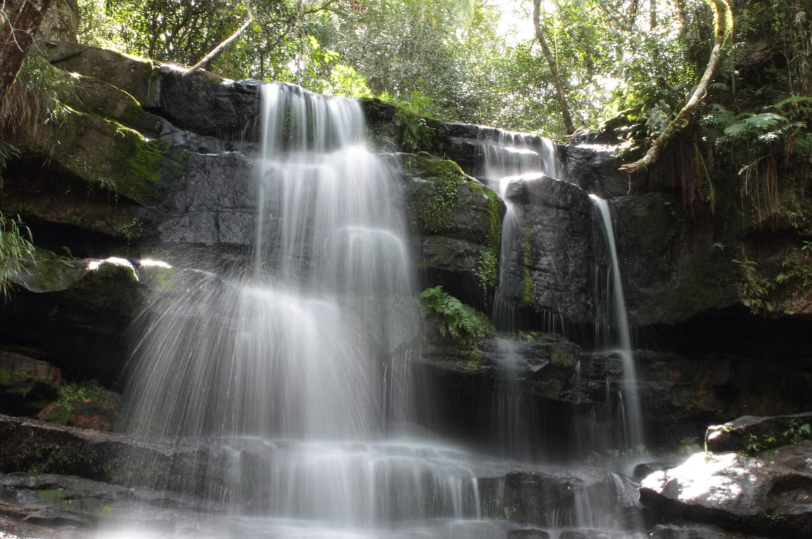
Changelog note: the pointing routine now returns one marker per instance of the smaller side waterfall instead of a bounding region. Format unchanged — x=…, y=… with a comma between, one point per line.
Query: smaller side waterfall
x=509, y=157
x=630, y=405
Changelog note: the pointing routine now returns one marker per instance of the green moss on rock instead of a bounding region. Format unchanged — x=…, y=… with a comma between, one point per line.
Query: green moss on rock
x=107, y=153
x=437, y=202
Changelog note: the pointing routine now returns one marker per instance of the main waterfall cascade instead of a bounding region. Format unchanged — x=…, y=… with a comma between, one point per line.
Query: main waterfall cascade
x=290, y=381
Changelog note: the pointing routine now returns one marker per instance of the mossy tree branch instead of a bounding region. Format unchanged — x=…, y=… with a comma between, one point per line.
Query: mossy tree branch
x=723, y=24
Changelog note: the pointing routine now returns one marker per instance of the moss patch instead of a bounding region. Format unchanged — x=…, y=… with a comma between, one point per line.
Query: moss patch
x=487, y=264
x=435, y=206
x=111, y=155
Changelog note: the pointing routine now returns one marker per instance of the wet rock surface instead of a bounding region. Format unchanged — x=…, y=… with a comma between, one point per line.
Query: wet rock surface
x=770, y=495
x=458, y=222
x=694, y=531
x=550, y=268
x=56, y=506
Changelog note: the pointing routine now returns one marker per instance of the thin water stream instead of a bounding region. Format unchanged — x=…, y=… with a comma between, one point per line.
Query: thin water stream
x=628, y=396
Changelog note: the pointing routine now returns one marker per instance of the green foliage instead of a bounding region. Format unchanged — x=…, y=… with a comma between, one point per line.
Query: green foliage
x=347, y=82
x=754, y=289
x=15, y=246
x=416, y=134
x=453, y=318
x=486, y=268
x=32, y=103
x=70, y=393
x=435, y=206
x=132, y=230
x=794, y=432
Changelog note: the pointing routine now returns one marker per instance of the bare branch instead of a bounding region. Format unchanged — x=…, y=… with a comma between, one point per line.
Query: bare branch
x=207, y=60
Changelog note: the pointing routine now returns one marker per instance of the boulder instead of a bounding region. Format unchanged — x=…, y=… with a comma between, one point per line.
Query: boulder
x=96, y=409
x=26, y=384
x=769, y=495
x=766, y=432
x=549, y=268
x=83, y=306
x=60, y=22
x=138, y=77
x=107, y=154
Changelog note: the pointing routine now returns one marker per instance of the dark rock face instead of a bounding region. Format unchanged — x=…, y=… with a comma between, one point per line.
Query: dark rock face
x=205, y=104
x=670, y=266
x=550, y=267
x=82, y=311
x=767, y=495
x=212, y=204
x=26, y=384
x=595, y=169
x=735, y=435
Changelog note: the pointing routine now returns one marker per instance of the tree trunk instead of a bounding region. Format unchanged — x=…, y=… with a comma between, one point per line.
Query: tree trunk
x=548, y=55
x=19, y=21
x=723, y=23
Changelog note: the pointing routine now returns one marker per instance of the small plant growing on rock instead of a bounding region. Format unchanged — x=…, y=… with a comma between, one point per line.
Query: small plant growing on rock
x=796, y=432
x=455, y=320
x=15, y=245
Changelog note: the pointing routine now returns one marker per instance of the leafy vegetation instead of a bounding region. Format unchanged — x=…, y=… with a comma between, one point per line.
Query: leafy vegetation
x=456, y=321
x=15, y=246
x=794, y=432
x=453, y=318
x=71, y=393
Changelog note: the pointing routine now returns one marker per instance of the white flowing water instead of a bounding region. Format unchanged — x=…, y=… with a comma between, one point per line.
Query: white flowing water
x=511, y=157
x=284, y=384
x=302, y=366
x=631, y=417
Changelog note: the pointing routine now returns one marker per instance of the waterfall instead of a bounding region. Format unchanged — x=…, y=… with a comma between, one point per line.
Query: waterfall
x=510, y=157
x=299, y=367
x=630, y=406
x=285, y=385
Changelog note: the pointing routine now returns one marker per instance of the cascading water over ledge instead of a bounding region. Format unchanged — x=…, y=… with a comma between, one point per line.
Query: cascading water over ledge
x=286, y=384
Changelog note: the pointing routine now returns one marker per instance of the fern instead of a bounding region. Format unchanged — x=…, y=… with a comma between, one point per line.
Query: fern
x=453, y=318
